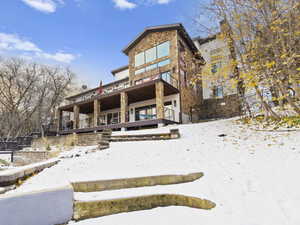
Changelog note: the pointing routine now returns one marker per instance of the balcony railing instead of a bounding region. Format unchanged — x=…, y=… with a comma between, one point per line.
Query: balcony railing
x=169, y=114
x=166, y=76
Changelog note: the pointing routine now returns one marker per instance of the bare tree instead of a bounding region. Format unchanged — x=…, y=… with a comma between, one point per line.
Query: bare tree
x=29, y=93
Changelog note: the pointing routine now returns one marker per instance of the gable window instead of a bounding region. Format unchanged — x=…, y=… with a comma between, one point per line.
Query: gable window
x=151, y=67
x=140, y=59
x=164, y=63
x=163, y=49
x=150, y=55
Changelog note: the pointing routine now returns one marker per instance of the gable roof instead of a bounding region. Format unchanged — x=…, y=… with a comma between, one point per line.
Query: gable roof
x=175, y=26
x=119, y=69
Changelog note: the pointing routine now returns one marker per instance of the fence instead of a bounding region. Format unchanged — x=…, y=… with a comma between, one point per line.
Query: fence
x=16, y=144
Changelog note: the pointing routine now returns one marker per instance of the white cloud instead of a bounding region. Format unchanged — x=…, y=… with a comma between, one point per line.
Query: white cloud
x=124, y=4
x=163, y=1
x=47, y=6
x=13, y=43
x=59, y=56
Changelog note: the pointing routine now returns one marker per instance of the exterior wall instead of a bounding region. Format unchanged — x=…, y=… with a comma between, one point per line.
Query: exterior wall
x=122, y=74
x=190, y=96
x=149, y=41
x=223, y=56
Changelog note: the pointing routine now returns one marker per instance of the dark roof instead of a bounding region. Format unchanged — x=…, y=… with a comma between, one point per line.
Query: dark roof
x=94, y=89
x=119, y=69
x=176, y=26
x=202, y=41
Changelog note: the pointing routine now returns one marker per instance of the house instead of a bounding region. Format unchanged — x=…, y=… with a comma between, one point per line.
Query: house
x=220, y=97
x=153, y=90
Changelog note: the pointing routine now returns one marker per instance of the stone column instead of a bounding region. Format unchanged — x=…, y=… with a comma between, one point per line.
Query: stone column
x=159, y=92
x=59, y=114
x=76, y=117
x=96, y=111
x=124, y=106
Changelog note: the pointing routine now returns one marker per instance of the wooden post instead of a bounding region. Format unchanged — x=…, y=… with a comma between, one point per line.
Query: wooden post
x=76, y=117
x=124, y=106
x=159, y=92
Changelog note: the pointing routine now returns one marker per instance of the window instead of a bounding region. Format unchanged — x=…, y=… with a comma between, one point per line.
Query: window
x=151, y=67
x=145, y=113
x=215, y=67
x=150, y=55
x=164, y=63
x=140, y=59
x=163, y=49
x=218, y=91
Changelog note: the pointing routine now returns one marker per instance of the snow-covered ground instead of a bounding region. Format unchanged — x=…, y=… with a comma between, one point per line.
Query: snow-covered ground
x=252, y=176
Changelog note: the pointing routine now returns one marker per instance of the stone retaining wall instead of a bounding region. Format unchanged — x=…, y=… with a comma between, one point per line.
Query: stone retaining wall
x=92, y=209
x=30, y=157
x=226, y=107
x=104, y=185
x=68, y=140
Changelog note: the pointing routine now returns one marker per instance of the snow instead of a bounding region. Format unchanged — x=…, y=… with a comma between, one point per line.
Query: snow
x=250, y=175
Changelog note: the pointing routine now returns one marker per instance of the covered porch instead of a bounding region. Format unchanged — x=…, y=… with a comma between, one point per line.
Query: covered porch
x=142, y=105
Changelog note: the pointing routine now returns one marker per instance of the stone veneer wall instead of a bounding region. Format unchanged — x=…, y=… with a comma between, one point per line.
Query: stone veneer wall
x=31, y=157
x=68, y=140
x=190, y=96
x=226, y=107
x=149, y=41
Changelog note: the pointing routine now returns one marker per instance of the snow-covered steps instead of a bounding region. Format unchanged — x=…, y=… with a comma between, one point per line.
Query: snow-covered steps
x=12, y=176
x=116, y=184
x=173, y=134
x=93, y=209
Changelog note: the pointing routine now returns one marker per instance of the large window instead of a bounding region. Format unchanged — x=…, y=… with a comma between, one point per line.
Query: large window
x=145, y=113
x=152, y=54
x=140, y=59
x=163, y=49
x=153, y=66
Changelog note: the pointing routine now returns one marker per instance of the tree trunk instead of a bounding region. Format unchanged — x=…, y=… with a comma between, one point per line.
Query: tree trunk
x=289, y=99
x=267, y=108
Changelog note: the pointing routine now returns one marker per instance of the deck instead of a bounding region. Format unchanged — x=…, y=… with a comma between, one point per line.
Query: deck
x=137, y=124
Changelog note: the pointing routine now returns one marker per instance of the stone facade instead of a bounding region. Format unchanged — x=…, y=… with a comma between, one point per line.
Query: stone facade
x=149, y=41
x=124, y=107
x=84, y=139
x=159, y=92
x=226, y=107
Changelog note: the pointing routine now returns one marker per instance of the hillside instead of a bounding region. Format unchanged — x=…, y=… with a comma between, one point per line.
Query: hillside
x=250, y=175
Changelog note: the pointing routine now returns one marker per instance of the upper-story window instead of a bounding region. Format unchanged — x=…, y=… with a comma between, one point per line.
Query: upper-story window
x=159, y=51
x=150, y=55
x=140, y=59
x=153, y=66
x=163, y=49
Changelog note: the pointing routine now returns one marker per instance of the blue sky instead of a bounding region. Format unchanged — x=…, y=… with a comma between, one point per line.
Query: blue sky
x=87, y=35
